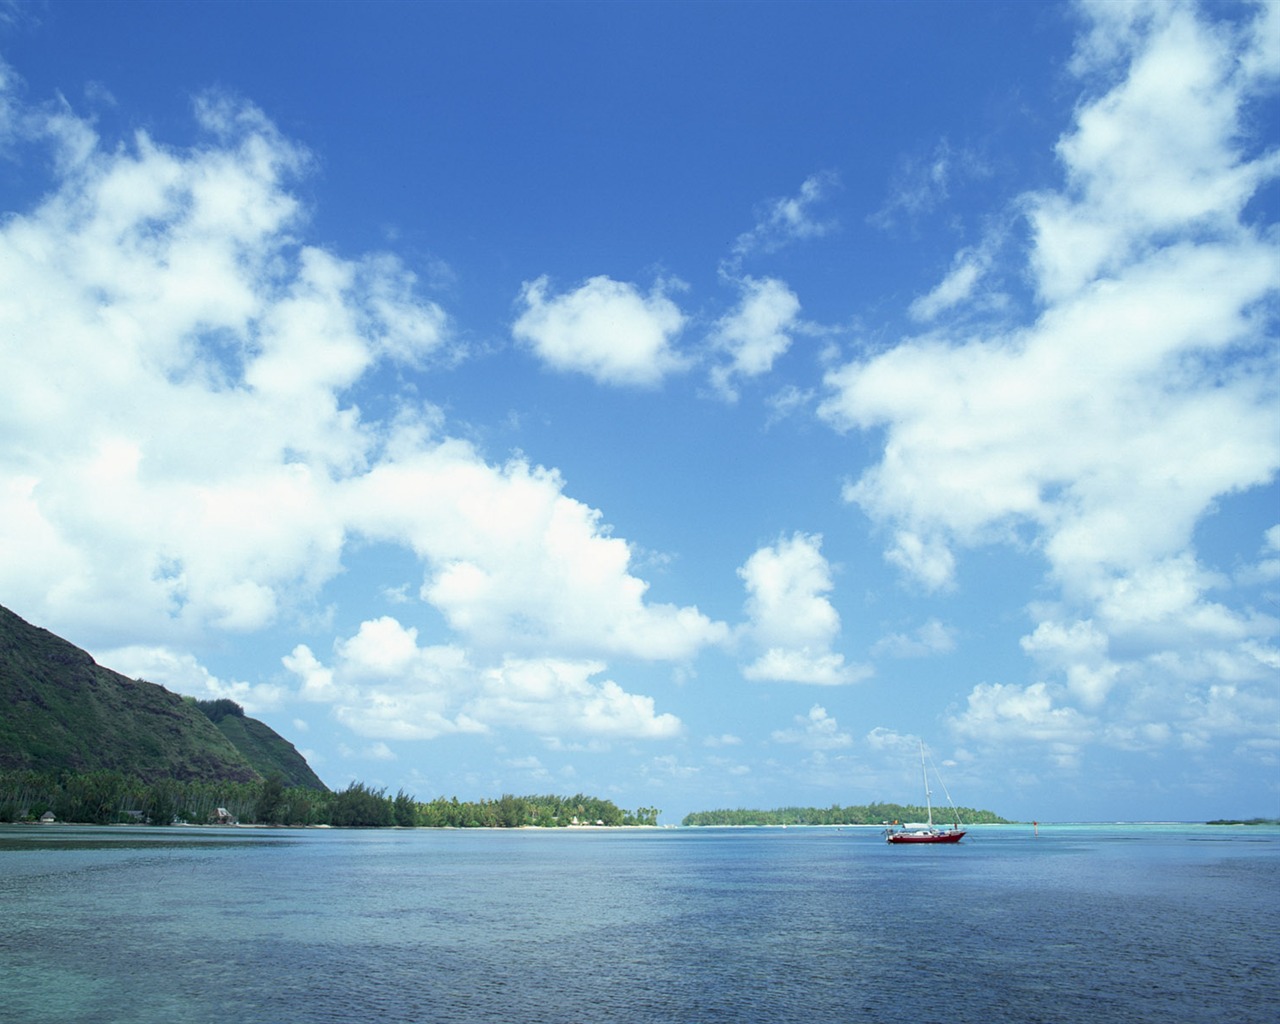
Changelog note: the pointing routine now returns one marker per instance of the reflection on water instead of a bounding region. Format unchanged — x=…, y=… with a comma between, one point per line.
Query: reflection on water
x=20, y=838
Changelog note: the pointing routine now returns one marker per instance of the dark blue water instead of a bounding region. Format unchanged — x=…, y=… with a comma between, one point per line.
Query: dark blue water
x=1083, y=923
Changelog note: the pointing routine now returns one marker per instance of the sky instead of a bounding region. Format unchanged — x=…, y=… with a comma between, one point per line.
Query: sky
x=691, y=405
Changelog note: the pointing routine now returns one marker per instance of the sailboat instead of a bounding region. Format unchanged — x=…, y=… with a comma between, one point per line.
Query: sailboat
x=929, y=833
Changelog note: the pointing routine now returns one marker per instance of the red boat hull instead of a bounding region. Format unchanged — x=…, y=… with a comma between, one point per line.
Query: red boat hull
x=952, y=836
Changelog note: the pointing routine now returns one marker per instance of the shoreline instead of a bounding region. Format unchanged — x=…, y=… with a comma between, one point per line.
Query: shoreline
x=1013, y=825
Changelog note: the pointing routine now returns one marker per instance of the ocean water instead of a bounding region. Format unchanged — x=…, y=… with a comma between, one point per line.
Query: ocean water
x=245, y=926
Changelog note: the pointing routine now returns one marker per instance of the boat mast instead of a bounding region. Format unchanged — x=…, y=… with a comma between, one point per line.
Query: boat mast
x=928, y=801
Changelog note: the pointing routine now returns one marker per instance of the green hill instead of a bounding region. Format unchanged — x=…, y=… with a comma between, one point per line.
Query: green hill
x=263, y=747
x=60, y=711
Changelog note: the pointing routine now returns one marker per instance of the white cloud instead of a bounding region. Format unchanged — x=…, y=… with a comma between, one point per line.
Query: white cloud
x=605, y=329
x=1080, y=651
x=1103, y=432
x=1225, y=709
x=1162, y=603
x=786, y=583
x=755, y=334
x=667, y=767
x=558, y=697
x=804, y=665
x=1006, y=715
x=790, y=617
x=172, y=450
x=815, y=731
x=787, y=402
x=1189, y=698
x=1155, y=646
x=887, y=740
x=383, y=684
x=1157, y=153
x=383, y=649
x=958, y=286
x=933, y=637
x=182, y=673
x=183, y=452
x=317, y=680
x=1267, y=568
x=928, y=560
x=788, y=219
x=531, y=764
x=515, y=564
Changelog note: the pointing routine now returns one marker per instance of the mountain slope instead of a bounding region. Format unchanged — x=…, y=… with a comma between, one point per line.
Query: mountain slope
x=263, y=747
x=61, y=711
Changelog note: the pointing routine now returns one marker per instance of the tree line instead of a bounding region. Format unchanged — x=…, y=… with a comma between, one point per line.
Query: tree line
x=110, y=797
x=864, y=814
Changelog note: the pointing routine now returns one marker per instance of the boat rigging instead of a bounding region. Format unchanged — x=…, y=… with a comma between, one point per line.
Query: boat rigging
x=929, y=833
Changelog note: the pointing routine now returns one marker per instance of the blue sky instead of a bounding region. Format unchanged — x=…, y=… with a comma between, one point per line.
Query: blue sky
x=694, y=405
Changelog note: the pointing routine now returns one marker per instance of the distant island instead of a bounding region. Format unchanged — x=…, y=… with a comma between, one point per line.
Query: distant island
x=1246, y=821
x=865, y=814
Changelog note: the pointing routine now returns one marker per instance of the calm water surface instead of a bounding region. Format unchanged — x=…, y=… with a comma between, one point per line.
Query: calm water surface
x=237, y=926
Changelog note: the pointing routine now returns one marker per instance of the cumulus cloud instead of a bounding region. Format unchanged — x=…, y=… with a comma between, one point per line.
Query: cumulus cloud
x=755, y=334
x=928, y=560
x=1143, y=392
x=384, y=684
x=790, y=617
x=172, y=450
x=1012, y=715
x=887, y=740
x=1056, y=422
x=605, y=329
x=182, y=673
x=1227, y=709
x=184, y=452
x=559, y=697
x=815, y=731
x=515, y=564
x=1160, y=151
x=1080, y=651
x=381, y=684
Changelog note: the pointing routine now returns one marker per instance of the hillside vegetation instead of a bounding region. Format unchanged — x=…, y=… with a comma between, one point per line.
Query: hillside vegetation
x=264, y=748
x=63, y=713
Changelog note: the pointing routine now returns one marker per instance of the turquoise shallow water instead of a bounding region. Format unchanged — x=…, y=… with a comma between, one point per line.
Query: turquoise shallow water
x=238, y=926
